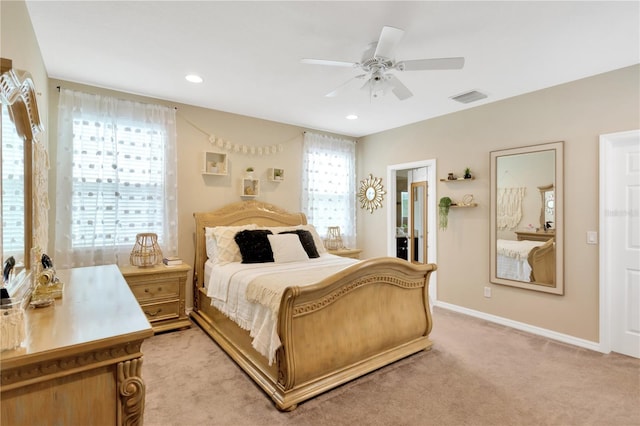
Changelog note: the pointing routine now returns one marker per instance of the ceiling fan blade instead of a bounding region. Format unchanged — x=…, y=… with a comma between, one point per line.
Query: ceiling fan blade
x=400, y=90
x=329, y=63
x=343, y=86
x=431, y=64
x=389, y=39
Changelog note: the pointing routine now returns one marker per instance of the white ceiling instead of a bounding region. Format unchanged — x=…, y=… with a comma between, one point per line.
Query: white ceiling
x=249, y=52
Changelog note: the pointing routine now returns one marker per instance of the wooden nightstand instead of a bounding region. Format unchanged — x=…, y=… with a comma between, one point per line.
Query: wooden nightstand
x=160, y=291
x=345, y=252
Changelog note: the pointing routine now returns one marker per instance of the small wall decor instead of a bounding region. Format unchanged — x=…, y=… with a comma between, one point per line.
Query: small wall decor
x=371, y=193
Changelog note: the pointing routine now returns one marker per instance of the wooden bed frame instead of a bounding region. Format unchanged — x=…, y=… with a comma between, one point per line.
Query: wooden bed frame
x=362, y=318
x=542, y=260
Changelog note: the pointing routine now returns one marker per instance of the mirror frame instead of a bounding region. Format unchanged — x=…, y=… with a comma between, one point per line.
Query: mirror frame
x=413, y=204
x=18, y=93
x=558, y=287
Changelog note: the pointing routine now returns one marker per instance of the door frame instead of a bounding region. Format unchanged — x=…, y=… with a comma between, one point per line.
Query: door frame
x=432, y=229
x=607, y=143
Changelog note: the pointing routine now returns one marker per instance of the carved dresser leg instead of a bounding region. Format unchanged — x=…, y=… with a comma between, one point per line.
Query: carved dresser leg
x=131, y=392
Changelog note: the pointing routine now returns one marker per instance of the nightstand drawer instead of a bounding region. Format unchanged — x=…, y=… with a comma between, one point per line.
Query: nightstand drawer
x=156, y=289
x=162, y=311
x=161, y=291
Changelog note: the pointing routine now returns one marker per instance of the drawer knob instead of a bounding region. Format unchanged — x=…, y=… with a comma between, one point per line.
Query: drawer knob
x=154, y=313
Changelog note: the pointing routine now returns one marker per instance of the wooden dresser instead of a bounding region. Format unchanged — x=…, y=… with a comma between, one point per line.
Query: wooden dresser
x=536, y=235
x=80, y=363
x=160, y=290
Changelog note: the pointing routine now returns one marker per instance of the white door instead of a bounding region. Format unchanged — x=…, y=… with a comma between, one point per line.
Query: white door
x=620, y=233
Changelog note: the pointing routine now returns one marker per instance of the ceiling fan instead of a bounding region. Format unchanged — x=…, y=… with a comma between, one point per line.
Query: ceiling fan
x=378, y=59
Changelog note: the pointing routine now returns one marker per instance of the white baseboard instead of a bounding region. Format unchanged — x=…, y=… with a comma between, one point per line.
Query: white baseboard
x=565, y=338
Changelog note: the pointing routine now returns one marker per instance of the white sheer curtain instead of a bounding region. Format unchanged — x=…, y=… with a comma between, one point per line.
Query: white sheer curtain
x=116, y=177
x=329, y=184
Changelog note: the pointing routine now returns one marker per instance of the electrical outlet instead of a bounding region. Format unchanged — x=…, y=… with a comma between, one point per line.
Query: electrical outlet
x=592, y=237
x=487, y=292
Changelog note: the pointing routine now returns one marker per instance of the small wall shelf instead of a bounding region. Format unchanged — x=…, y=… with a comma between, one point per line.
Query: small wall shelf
x=214, y=163
x=457, y=179
x=250, y=187
x=460, y=206
x=276, y=175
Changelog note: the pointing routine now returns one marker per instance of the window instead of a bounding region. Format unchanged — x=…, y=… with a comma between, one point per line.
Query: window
x=329, y=185
x=116, y=163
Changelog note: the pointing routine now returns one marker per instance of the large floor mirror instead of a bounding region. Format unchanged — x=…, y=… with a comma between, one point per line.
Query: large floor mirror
x=527, y=217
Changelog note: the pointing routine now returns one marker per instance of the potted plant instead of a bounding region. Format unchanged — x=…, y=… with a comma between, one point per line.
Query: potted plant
x=467, y=173
x=443, y=207
x=248, y=173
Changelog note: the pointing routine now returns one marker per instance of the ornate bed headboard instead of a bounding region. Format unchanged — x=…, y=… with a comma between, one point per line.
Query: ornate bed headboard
x=240, y=213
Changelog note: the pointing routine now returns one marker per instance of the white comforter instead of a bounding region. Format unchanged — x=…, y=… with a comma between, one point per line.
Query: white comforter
x=512, y=259
x=228, y=287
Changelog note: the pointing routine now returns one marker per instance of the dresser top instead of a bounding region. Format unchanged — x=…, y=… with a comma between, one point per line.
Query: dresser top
x=97, y=310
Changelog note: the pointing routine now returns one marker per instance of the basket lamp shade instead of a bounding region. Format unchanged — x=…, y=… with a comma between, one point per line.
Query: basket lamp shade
x=334, y=240
x=146, y=251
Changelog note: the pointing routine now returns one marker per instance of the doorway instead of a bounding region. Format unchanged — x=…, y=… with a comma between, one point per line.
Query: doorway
x=620, y=243
x=399, y=213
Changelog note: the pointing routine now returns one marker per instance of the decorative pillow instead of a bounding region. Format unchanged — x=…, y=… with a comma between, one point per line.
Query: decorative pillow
x=287, y=248
x=210, y=243
x=254, y=246
x=306, y=239
x=226, y=250
x=316, y=238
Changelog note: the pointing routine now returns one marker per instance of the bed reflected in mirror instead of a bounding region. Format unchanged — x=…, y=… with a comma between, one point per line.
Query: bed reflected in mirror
x=526, y=217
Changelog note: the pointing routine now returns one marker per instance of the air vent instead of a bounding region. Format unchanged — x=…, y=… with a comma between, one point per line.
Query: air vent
x=469, y=97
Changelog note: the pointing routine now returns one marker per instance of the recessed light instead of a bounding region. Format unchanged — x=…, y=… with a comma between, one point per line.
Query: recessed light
x=351, y=117
x=193, y=78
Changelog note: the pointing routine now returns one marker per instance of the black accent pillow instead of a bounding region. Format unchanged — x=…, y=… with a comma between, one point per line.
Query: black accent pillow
x=254, y=245
x=306, y=239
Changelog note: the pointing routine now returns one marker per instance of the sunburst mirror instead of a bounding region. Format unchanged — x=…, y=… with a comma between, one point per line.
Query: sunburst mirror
x=371, y=192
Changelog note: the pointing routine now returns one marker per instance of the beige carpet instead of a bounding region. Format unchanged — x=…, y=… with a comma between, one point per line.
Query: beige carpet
x=478, y=373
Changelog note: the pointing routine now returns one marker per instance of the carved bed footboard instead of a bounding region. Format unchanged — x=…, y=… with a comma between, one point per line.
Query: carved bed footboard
x=367, y=316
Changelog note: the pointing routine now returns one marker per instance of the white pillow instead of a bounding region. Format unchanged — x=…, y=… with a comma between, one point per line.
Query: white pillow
x=210, y=243
x=308, y=227
x=226, y=250
x=287, y=248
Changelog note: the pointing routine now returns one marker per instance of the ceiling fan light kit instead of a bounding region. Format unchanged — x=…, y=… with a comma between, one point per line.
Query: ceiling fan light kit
x=378, y=59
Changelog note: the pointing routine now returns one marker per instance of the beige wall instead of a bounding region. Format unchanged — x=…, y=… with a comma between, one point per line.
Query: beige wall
x=577, y=113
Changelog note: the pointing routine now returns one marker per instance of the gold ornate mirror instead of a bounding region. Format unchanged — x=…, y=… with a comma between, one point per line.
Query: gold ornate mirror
x=20, y=125
x=526, y=217
x=371, y=193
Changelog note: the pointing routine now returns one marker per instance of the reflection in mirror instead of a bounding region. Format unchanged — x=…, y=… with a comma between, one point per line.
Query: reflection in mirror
x=526, y=217
x=418, y=222
x=547, y=200
x=12, y=191
x=402, y=214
